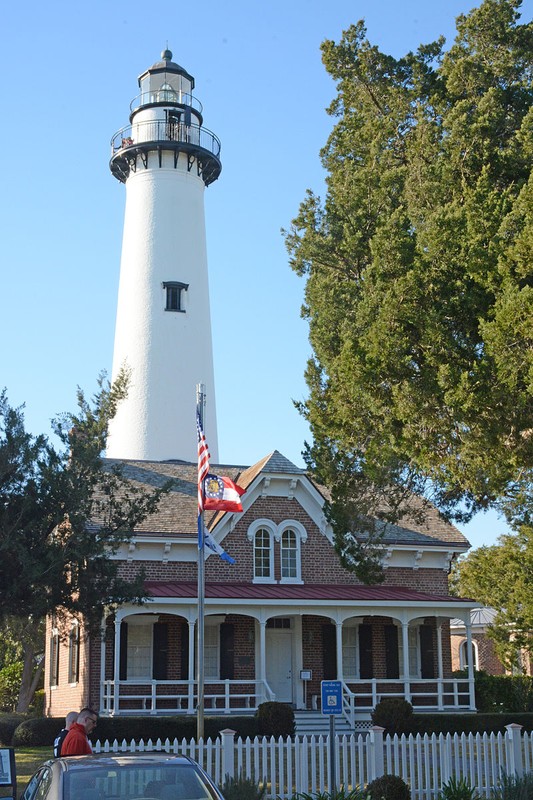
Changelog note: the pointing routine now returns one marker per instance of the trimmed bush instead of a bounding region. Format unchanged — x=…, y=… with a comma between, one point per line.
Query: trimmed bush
x=394, y=714
x=388, y=787
x=37, y=732
x=275, y=719
x=43, y=730
x=8, y=724
x=242, y=788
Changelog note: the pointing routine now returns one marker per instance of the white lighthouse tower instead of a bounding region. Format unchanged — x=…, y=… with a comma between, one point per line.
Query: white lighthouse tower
x=166, y=158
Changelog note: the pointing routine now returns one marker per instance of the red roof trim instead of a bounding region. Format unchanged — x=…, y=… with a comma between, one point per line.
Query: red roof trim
x=317, y=592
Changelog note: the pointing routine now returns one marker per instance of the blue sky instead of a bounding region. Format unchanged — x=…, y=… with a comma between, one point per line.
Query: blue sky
x=70, y=71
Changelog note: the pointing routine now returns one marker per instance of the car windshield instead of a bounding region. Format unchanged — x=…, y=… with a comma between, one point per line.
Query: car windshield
x=142, y=781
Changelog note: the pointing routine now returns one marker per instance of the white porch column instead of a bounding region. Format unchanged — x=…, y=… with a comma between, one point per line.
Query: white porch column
x=190, y=669
x=104, y=698
x=262, y=658
x=406, y=676
x=470, y=656
x=338, y=644
x=115, y=705
x=440, y=670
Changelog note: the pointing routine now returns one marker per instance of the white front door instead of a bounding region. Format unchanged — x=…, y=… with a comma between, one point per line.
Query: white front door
x=279, y=663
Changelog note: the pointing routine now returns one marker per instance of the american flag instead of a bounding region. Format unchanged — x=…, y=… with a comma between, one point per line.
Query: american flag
x=203, y=463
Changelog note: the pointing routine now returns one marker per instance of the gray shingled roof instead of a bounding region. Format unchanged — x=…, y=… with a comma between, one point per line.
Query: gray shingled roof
x=177, y=512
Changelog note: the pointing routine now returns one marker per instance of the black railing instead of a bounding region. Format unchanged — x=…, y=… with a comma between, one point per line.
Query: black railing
x=161, y=131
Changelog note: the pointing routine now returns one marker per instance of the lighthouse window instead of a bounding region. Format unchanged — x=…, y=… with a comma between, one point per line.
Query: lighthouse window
x=174, y=295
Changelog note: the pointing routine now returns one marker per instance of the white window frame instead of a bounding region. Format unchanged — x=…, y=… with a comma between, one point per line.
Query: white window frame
x=55, y=645
x=148, y=659
x=211, y=650
x=255, y=527
x=300, y=536
x=415, y=668
x=463, y=654
x=350, y=652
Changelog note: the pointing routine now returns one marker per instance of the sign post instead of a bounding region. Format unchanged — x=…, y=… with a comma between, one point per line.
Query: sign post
x=331, y=704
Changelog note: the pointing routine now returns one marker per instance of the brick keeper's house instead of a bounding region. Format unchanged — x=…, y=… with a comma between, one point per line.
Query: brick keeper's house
x=280, y=620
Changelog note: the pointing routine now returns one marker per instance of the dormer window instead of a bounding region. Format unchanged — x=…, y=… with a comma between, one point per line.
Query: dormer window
x=273, y=565
x=174, y=295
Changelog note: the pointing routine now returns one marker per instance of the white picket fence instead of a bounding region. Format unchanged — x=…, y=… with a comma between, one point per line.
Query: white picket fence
x=302, y=764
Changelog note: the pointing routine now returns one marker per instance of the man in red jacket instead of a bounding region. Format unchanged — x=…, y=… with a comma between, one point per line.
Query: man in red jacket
x=76, y=742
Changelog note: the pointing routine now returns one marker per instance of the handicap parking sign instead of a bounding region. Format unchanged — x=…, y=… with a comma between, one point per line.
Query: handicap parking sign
x=331, y=697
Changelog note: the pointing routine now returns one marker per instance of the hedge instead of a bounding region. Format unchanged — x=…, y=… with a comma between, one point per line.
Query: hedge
x=42, y=731
x=8, y=724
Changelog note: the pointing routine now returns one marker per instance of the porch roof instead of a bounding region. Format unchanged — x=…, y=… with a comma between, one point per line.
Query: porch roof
x=292, y=592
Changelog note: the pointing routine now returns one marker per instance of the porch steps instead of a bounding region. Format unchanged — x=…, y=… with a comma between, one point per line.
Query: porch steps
x=313, y=723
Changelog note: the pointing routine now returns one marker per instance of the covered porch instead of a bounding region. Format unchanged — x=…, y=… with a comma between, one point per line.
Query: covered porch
x=271, y=642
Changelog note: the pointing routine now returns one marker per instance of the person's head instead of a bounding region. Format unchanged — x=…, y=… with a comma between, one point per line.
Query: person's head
x=70, y=719
x=88, y=718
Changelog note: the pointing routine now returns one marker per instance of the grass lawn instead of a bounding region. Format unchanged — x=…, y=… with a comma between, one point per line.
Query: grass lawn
x=27, y=760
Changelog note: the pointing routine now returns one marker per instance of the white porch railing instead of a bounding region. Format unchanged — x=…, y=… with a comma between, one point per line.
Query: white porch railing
x=237, y=696
x=302, y=764
x=432, y=694
x=180, y=697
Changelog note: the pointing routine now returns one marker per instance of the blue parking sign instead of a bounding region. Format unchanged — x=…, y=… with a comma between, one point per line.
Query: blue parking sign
x=331, y=697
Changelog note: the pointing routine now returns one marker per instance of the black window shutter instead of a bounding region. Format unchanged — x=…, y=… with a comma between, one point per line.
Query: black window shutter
x=227, y=651
x=123, y=668
x=427, y=661
x=329, y=652
x=365, y=651
x=184, y=652
x=392, y=661
x=160, y=652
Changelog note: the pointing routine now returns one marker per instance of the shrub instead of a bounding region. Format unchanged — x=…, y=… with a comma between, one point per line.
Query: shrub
x=388, y=787
x=503, y=693
x=8, y=723
x=37, y=732
x=275, y=719
x=339, y=794
x=513, y=787
x=242, y=788
x=394, y=714
x=458, y=789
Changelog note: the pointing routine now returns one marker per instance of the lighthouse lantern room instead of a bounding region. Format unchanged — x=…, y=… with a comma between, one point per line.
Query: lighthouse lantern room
x=165, y=158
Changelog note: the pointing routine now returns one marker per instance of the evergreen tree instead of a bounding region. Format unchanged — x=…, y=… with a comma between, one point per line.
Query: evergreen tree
x=63, y=513
x=419, y=287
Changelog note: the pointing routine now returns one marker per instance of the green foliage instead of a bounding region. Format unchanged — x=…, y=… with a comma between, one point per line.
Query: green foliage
x=37, y=706
x=52, y=501
x=10, y=678
x=418, y=279
x=458, y=789
x=504, y=693
x=513, y=787
x=394, y=714
x=388, y=787
x=42, y=731
x=340, y=794
x=8, y=724
x=275, y=719
x=242, y=788
x=500, y=576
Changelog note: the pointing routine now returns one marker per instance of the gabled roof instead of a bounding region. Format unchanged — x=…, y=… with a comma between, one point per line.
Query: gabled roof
x=177, y=511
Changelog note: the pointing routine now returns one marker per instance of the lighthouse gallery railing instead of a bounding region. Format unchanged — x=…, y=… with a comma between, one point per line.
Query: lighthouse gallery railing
x=161, y=131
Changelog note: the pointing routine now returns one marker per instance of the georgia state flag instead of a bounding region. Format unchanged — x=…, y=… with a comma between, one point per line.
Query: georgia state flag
x=221, y=494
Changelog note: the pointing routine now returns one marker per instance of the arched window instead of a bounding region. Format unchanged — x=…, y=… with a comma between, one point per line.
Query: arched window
x=290, y=535
x=262, y=554
x=463, y=655
x=261, y=534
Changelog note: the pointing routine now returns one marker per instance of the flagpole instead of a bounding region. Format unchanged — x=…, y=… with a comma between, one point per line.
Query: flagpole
x=200, y=406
